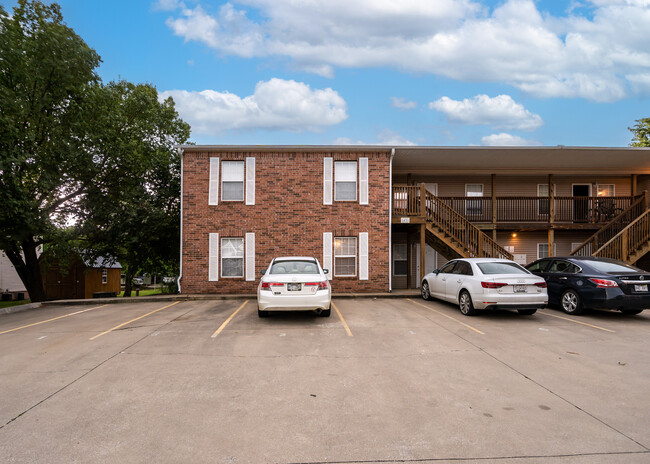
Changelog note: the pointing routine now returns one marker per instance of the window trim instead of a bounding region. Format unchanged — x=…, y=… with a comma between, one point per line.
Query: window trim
x=469, y=211
x=243, y=258
x=603, y=185
x=243, y=181
x=546, y=243
x=356, y=180
x=356, y=260
x=104, y=276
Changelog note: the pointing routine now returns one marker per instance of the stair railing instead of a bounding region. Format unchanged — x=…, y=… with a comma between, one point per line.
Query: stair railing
x=612, y=228
x=627, y=241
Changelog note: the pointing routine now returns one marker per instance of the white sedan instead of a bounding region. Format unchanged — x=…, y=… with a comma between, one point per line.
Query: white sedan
x=294, y=284
x=486, y=283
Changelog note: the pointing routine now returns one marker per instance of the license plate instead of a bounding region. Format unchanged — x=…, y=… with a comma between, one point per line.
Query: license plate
x=640, y=288
x=520, y=289
x=293, y=287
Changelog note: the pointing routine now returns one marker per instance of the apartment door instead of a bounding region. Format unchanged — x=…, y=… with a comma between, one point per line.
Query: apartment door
x=581, y=202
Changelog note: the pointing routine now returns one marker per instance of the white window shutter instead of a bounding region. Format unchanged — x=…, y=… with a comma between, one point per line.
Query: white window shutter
x=213, y=195
x=327, y=254
x=363, y=255
x=328, y=180
x=250, y=257
x=363, y=181
x=213, y=259
x=250, y=181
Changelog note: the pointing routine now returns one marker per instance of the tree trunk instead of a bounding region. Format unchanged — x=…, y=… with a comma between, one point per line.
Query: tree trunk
x=28, y=269
x=128, y=284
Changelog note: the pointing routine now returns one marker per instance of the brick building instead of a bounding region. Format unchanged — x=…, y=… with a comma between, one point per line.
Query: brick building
x=379, y=218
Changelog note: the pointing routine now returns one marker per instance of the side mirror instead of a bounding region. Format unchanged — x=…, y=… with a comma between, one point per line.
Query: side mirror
x=436, y=271
x=326, y=271
x=263, y=271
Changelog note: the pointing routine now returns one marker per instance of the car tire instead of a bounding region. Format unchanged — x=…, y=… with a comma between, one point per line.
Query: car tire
x=631, y=312
x=526, y=312
x=571, y=303
x=426, y=293
x=261, y=313
x=465, y=304
x=325, y=312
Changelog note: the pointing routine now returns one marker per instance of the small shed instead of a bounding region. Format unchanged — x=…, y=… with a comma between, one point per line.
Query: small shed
x=81, y=279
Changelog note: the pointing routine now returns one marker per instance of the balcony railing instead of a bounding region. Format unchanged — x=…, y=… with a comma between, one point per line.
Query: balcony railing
x=584, y=210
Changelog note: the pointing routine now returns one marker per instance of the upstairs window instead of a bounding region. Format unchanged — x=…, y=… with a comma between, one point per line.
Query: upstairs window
x=345, y=181
x=232, y=181
x=605, y=190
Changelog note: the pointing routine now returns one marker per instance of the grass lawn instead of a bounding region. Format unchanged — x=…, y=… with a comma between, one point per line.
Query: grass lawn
x=6, y=304
x=147, y=292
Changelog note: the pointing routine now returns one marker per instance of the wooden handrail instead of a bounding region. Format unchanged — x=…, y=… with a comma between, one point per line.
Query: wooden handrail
x=628, y=240
x=611, y=229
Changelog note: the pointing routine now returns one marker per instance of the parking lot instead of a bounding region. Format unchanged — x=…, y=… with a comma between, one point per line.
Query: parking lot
x=381, y=380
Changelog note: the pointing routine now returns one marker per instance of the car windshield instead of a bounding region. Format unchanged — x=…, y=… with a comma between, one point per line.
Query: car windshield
x=608, y=267
x=501, y=268
x=294, y=267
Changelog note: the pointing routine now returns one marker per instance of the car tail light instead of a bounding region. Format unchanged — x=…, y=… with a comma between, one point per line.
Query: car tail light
x=493, y=284
x=604, y=283
x=321, y=285
x=540, y=284
x=268, y=285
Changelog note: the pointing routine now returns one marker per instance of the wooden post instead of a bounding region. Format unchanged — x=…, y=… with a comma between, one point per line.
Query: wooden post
x=480, y=244
x=633, y=184
x=423, y=200
x=494, y=200
x=423, y=231
x=551, y=241
x=624, y=250
x=551, y=200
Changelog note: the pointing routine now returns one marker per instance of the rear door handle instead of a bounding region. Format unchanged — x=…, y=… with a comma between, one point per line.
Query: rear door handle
x=563, y=278
x=459, y=281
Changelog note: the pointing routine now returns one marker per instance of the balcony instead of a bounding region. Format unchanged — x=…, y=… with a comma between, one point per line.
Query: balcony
x=576, y=212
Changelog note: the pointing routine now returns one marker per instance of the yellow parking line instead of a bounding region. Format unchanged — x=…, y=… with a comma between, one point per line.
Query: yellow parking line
x=223, y=326
x=448, y=317
x=133, y=320
x=53, y=319
x=345, y=324
x=577, y=322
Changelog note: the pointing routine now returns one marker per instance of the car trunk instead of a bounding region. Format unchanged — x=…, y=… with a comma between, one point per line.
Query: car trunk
x=304, y=284
x=516, y=283
x=633, y=283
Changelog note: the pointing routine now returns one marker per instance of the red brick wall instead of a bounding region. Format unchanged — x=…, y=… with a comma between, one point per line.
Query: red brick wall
x=288, y=217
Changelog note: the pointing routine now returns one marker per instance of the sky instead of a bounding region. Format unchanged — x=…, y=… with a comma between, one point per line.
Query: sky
x=383, y=72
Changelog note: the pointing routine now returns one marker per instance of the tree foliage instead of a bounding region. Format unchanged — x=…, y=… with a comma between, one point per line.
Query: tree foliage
x=641, y=133
x=79, y=160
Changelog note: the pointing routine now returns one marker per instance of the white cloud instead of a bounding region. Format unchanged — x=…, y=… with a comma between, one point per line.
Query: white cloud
x=275, y=105
x=506, y=140
x=501, y=112
x=402, y=104
x=516, y=43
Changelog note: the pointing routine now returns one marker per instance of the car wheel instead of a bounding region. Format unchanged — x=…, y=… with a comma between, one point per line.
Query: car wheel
x=465, y=304
x=325, y=312
x=426, y=294
x=571, y=303
x=526, y=312
x=631, y=312
x=261, y=313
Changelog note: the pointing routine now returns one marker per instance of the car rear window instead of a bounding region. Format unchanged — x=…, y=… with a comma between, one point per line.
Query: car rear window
x=501, y=268
x=294, y=267
x=608, y=267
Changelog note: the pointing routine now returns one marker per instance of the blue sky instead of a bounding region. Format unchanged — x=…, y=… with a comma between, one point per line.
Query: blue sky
x=390, y=72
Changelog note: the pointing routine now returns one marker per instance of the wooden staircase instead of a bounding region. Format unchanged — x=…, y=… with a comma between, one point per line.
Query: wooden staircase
x=625, y=238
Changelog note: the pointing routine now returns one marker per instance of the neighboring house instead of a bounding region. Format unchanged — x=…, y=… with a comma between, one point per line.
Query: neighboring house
x=81, y=279
x=373, y=215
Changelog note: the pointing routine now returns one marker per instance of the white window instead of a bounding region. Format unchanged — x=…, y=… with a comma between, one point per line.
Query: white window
x=104, y=276
x=232, y=257
x=345, y=181
x=474, y=207
x=400, y=259
x=605, y=190
x=232, y=181
x=543, y=205
x=345, y=256
x=542, y=250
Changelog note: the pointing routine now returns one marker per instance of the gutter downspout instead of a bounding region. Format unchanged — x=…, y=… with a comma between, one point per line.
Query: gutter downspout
x=390, y=221
x=178, y=282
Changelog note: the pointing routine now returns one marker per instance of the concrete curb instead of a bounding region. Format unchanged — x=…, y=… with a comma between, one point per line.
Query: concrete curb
x=20, y=308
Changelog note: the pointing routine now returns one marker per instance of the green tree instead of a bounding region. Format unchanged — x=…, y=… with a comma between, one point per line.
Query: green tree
x=71, y=149
x=641, y=133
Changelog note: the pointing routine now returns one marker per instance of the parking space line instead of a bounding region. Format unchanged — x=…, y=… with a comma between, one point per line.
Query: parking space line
x=53, y=319
x=577, y=322
x=133, y=320
x=448, y=317
x=345, y=324
x=223, y=326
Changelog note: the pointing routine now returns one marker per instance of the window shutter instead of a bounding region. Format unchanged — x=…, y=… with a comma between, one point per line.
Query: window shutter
x=328, y=180
x=250, y=181
x=327, y=254
x=213, y=259
x=213, y=195
x=250, y=257
x=363, y=255
x=363, y=181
